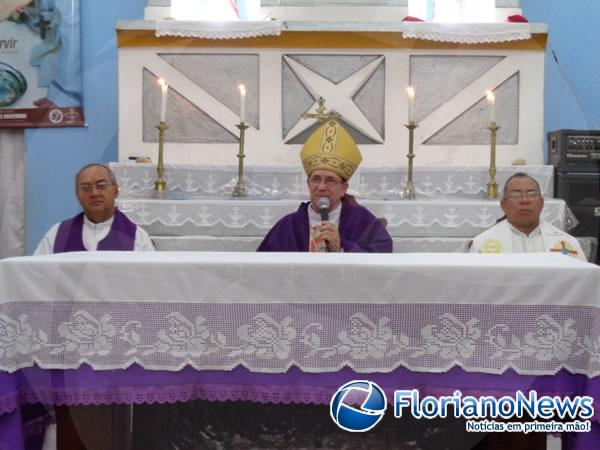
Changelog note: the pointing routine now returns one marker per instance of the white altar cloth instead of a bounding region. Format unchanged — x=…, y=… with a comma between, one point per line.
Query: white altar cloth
x=535, y=313
x=376, y=183
x=467, y=33
x=212, y=29
x=231, y=277
x=400, y=245
x=405, y=218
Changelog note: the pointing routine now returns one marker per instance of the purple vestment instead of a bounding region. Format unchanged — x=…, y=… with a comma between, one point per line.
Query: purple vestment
x=121, y=236
x=360, y=231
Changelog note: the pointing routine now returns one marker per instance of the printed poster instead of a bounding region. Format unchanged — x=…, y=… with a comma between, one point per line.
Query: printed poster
x=40, y=64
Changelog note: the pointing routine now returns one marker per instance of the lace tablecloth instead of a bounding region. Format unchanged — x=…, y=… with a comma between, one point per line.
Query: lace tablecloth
x=418, y=218
x=297, y=326
x=535, y=313
x=290, y=182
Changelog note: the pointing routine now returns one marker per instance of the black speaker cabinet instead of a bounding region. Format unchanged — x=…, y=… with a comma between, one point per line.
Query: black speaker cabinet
x=575, y=150
x=581, y=191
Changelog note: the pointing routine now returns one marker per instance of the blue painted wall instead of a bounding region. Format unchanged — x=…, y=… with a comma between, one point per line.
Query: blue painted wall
x=575, y=38
x=53, y=156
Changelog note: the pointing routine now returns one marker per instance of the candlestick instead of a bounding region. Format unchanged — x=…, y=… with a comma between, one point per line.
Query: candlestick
x=163, y=99
x=492, y=186
x=410, y=91
x=409, y=188
x=491, y=101
x=160, y=185
x=240, y=189
x=242, y=89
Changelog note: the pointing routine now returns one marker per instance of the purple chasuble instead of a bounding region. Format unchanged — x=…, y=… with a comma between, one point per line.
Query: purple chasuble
x=121, y=236
x=360, y=231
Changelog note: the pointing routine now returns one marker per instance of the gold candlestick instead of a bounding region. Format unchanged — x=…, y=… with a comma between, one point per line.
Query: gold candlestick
x=160, y=185
x=409, y=188
x=240, y=190
x=492, y=186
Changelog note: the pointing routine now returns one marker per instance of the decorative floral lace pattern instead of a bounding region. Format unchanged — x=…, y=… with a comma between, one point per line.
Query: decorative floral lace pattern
x=317, y=337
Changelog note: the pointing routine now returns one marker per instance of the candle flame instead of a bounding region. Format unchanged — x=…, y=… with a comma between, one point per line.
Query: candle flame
x=242, y=89
x=162, y=82
x=410, y=91
x=491, y=98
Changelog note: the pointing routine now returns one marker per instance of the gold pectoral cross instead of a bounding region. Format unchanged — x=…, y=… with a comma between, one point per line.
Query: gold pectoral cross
x=321, y=115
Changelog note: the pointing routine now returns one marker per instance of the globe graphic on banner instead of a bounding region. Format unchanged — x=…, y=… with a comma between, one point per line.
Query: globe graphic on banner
x=12, y=84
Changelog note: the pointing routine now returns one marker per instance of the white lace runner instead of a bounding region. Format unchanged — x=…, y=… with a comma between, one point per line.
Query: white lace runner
x=420, y=218
x=477, y=33
x=218, y=30
x=377, y=183
x=531, y=339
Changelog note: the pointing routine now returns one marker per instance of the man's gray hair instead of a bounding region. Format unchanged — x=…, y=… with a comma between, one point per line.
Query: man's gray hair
x=111, y=174
x=519, y=175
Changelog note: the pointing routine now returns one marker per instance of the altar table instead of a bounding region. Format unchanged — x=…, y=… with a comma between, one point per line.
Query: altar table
x=119, y=327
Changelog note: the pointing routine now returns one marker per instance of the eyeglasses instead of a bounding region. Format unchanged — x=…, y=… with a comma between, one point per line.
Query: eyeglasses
x=329, y=181
x=101, y=185
x=518, y=195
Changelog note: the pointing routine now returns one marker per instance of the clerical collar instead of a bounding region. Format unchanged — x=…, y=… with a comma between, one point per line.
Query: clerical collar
x=315, y=217
x=106, y=223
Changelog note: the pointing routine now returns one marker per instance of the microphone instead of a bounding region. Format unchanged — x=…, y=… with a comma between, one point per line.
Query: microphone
x=323, y=204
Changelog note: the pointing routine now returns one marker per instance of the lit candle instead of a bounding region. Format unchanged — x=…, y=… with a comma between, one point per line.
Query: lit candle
x=163, y=99
x=242, y=89
x=410, y=91
x=491, y=101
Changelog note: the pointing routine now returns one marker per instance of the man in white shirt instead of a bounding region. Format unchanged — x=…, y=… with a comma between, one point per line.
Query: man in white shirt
x=523, y=231
x=101, y=226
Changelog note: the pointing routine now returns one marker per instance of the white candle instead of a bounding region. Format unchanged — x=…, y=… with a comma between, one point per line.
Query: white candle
x=242, y=89
x=491, y=101
x=410, y=91
x=163, y=99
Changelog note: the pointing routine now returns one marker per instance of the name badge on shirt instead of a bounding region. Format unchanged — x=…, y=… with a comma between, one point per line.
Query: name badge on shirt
x=491, y=246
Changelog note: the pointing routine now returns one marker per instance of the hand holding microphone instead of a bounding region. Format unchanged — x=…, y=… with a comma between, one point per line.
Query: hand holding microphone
x=328, y=231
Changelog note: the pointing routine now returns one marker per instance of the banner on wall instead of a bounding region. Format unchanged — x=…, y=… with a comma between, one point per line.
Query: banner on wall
x=40, y=64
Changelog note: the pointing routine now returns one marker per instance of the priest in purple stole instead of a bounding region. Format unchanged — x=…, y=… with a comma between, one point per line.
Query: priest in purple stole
x=331, y=221
x=101, y=226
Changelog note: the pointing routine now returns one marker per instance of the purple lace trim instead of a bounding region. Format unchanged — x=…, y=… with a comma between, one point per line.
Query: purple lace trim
x=166, y=394
x=209, y=392
x=10, y=402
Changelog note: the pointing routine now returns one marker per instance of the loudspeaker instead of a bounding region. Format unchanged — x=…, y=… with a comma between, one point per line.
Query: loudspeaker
x=581, y=191
x=575, y=155
x=574, y=150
